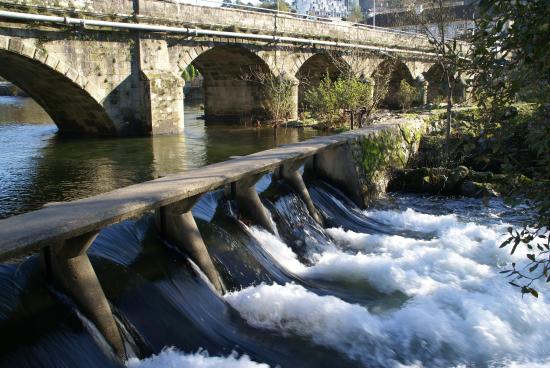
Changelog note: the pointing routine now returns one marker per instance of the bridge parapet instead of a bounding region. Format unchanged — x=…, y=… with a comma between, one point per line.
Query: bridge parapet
x=224, y=18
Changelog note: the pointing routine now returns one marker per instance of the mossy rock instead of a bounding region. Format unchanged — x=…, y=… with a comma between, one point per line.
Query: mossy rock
x=477, y=190
x=483, y=176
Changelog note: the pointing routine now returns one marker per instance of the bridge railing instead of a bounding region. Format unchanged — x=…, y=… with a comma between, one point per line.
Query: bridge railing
x=45, y=6
x=301, y=16
x=212, y=14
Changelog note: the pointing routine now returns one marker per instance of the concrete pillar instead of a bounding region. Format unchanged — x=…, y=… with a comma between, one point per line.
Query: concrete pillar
x=176, y=223
x=250, y=204
x=291, y=174
x=372, y=82
x=465, y=92
x=425, y=89
x=232, y=101
x=69, y=266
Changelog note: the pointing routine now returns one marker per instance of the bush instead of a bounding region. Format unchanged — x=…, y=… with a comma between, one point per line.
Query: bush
x=332, y=100
x=406, y=95
x=190, y=73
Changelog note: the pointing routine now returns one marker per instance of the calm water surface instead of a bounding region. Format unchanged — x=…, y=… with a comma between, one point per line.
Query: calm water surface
x=37, y=166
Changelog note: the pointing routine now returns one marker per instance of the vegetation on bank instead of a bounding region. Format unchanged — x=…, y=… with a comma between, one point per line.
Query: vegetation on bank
x=510, y=61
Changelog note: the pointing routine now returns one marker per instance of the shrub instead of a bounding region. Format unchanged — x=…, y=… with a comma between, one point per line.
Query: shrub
x=332, y=100
x=406, y=95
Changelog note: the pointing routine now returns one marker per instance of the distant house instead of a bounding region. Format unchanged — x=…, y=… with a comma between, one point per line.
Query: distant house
x=324, y=8
x=460, y=20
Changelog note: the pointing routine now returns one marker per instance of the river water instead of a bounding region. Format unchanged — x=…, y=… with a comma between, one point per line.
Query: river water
x=411, y=282
x=37, y=166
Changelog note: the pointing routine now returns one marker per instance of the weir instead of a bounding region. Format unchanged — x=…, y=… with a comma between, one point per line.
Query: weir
x=64, y=231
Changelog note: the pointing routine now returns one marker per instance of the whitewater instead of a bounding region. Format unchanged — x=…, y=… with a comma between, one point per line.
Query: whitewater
x=438, y=299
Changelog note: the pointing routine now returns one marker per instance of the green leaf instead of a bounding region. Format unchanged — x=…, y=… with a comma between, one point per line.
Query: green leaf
x=516, y=242
x=505, y=243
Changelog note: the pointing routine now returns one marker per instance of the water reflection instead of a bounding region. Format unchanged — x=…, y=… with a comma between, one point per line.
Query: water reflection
x=37, y=166
x=22, y=110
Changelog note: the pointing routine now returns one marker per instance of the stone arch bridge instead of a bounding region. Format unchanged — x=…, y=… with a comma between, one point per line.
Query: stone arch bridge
x=114, y=67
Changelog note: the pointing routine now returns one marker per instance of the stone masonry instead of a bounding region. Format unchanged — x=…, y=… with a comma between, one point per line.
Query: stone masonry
x=110, y=81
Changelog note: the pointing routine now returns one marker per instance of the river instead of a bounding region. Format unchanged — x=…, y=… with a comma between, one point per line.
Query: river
x=411, y=282
x=37, y=166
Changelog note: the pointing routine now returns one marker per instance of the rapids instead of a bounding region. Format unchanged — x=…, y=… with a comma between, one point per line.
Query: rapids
x=412, y=282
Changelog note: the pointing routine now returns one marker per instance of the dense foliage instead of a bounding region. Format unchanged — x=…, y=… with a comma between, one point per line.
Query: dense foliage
x=510, y=61
x=279, y=5
x=335, y=99
x=406, y=95
x=190, y=73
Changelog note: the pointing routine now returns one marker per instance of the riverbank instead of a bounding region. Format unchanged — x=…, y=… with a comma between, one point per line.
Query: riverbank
x=478, y=161
x=9, y=89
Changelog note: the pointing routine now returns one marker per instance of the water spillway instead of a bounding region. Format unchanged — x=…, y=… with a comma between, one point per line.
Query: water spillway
x=411, y=282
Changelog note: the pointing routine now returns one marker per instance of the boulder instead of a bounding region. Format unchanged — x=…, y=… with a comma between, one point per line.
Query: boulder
x=477, y=190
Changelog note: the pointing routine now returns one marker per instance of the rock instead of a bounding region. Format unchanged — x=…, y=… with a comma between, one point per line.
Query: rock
x=481, y=176
x=481, y=162
x=457, y=181
x=456, y=177
x=477, y=190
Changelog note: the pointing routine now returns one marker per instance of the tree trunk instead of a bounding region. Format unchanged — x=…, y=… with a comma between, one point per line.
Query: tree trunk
x=449, y=118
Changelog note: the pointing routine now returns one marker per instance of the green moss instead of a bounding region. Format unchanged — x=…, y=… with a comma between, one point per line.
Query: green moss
x=409, y=115
x=341, y=129
x=382, y=151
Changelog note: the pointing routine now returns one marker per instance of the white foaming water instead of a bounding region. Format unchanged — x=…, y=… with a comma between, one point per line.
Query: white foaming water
x=411, y=219
x=460, y=310
x=172, y=358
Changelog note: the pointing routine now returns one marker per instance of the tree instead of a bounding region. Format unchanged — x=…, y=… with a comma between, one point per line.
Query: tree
x=434, y=23
x=511, y=60
x=333, y=100
x=511, y=52
x=276, y=90
x=279, y=5
x=349, y=69
x=356, y=13
x=190, y=73
x=406, y=95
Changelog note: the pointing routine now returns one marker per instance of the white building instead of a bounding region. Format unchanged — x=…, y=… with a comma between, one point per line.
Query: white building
x=323, y=8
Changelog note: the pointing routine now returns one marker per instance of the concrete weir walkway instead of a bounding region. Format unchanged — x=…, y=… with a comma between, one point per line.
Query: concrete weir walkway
x=64, y=231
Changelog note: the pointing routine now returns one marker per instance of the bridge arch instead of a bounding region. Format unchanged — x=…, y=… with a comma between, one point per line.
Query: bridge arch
x=437, y=85
x=67, y=96
x=387, y=78
x=232, y=89
x=314, y=68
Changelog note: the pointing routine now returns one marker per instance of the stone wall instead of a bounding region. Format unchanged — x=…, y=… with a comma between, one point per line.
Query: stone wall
x=363, y=166
x=128, y=83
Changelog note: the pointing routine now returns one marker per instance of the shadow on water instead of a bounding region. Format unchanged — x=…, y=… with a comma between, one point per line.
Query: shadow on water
x=37, y=166
x=159, y=297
